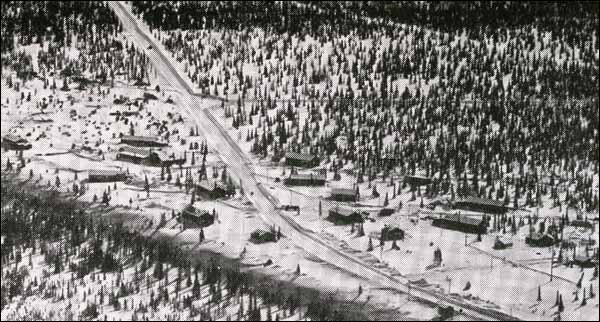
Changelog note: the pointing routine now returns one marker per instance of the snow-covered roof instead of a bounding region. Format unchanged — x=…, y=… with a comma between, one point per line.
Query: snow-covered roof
x=14, y=138
x=135, y=152
x=137, y=138
x=343, y=211
x=211, y=184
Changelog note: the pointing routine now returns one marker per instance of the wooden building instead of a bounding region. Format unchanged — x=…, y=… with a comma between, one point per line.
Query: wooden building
x=386, y=212
x=502, y=243
x=106, y=176
x=143, y=141
x=581, y=224
x=461, y=223
x=392, y=233
x=138, y=156
x=305, y=180
x=213, y=189
x=263, y=236
x=296, y=159
x=540, y=240
x=415, y=181
x=148, y=157
x=341, y=215
x=343, y=194
x=484, y=205
x=196, y=218
x=14, y=142
x=583, y=261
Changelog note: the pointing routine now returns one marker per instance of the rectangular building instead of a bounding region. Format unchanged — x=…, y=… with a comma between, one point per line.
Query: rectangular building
x=415, y=181
x=581, y=223
x=143, y=141
x=308, y=179
x=540, y=240
x=263, y=236
x=14, y=142
x=481, y=205
x=148, y=157
x=343, y=194
x=342, y=215
x=461, y=223
x=195, y=218
x=213, y=189
x=389, y=233
x=106, y=176
x=138, y=156
x=296, y=159
x=386, y=212
x=502, y=243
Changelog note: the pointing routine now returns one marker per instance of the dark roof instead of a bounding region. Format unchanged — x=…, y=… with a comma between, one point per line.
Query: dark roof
x=105, y=173
x=343, y=191
x=463, y=219
x=581, y=223
x=299, y=156
x=307, y=176
x=481, y=201
x=538, y=236
x=504, y=240
x=196, y=212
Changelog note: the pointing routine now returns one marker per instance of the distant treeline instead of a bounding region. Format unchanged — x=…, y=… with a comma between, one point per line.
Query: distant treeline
x=478, y=17
x=34, y=21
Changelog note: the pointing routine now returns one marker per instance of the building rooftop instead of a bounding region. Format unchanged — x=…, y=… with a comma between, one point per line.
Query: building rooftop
x=15, y=138
x=343, y=191
x=307, y=176
x=481, y=201
x=152, y=139
x=135, y=152
x=210, y=184
x=105, y=172
x=463, y=219
x=299, y=156
x=343, y=211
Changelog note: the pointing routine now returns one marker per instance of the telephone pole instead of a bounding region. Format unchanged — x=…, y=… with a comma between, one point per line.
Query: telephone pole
x=552, y=265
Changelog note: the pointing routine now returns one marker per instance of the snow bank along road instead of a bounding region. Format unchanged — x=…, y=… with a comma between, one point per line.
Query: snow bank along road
x=238, y=164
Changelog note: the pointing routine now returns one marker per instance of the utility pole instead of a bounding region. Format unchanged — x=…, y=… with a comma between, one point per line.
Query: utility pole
x=552, y=265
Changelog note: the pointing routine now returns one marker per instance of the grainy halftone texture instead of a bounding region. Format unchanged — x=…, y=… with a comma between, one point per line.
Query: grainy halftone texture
x=299, y=160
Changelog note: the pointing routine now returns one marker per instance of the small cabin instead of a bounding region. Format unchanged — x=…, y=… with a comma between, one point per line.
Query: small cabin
x=14, y=142
x=296, y=159
x=540, y=240
x=143, y=141
x=305, y=180
x=341, y=215
x=106, y=176
x=343, y=194
x=502, y=243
